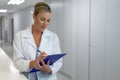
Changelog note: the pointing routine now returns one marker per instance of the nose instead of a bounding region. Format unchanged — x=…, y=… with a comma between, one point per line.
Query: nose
x=45, y=23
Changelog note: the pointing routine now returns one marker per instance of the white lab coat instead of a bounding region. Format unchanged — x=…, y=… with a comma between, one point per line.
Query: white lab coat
x=24, y=50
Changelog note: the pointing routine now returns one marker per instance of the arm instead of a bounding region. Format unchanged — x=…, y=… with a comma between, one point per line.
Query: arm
x=20, y=62
x=56, y=47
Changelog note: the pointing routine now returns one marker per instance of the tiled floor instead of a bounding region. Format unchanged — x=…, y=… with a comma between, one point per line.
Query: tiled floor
x=8, y=49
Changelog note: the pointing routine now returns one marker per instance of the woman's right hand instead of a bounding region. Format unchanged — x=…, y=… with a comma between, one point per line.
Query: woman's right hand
x=35, y=63
x=41, y=56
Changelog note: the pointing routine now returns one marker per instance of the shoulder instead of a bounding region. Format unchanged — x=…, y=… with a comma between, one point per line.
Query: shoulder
x=48, y=33
x=20, y=33
x=24, y=32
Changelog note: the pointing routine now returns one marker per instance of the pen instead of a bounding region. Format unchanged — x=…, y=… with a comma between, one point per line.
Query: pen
x=37, y=53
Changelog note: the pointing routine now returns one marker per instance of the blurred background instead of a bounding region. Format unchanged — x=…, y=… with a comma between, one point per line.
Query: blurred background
x=89, y=31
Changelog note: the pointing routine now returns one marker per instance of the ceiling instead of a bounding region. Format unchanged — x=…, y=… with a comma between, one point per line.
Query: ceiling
x=13, y=8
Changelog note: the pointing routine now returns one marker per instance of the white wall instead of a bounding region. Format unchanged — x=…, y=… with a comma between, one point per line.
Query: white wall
x=97, y=39
x=70, y=38
x=112, y=69
x=104, y=62
x=83, y=40
x=91, y=38
x=64, y=24
x=22, y=19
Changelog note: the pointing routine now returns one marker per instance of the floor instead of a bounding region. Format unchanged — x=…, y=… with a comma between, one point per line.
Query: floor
x=7, y=47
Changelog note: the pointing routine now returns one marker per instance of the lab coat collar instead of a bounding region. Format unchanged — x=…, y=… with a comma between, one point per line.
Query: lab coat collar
x=44, y=40
x=29, y=33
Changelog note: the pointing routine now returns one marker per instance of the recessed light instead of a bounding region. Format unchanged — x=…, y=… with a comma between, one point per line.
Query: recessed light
x=3, y=10
x=15, y=2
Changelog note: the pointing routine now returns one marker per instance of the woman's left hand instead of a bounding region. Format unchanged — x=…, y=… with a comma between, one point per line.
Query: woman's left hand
x=46, y=68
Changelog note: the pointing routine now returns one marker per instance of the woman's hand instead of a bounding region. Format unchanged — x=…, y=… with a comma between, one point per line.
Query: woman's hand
x=35, y=63
x=45, y=67
x=41, y=56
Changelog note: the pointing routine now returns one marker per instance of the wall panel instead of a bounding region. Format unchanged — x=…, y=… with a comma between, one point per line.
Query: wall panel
x=97, y=39
x=64, y=24
x=83, y=39
x=112, y=69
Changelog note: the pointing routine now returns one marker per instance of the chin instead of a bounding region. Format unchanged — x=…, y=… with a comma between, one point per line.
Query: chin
x=42, y=30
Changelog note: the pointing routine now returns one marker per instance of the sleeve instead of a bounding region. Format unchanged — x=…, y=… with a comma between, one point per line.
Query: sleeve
x=56, y=47
x=19, y=60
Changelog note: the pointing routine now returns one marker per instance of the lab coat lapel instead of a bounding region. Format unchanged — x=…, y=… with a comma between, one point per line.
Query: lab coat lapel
x=30, y=37
x=44, y=41
x=31, y=42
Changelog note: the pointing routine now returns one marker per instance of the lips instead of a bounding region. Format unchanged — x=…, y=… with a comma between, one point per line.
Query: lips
x=42, y=26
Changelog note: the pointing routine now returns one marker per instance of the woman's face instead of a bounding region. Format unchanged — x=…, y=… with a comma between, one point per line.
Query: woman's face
x=42, y=20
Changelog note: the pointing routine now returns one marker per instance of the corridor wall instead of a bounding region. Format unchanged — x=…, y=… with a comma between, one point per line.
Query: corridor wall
x=90, y=36
x=23, y=19
x=64, y=23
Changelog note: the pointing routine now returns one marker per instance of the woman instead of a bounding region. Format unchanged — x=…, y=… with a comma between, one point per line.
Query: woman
x=32, y=45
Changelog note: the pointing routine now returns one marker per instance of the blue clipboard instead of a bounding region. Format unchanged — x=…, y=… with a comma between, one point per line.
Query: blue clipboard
x=53, y=58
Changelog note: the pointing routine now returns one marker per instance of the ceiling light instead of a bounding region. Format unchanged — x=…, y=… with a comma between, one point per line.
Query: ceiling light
x=3, y=10
x=16, y=2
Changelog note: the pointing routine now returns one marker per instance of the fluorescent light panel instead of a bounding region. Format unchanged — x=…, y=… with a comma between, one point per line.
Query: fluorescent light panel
x=16, y=2
x=3, y=10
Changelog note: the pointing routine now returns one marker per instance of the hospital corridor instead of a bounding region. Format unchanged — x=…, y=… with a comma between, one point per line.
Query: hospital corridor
x=88, y=32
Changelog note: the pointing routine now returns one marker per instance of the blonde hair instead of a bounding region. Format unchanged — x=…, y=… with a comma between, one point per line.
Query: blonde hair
x=41, y=7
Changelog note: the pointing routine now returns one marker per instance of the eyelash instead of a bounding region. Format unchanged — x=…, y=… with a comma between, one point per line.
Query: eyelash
x=44, y=20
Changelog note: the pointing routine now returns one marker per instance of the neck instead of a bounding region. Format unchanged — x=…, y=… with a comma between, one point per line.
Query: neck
x=36, y=30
